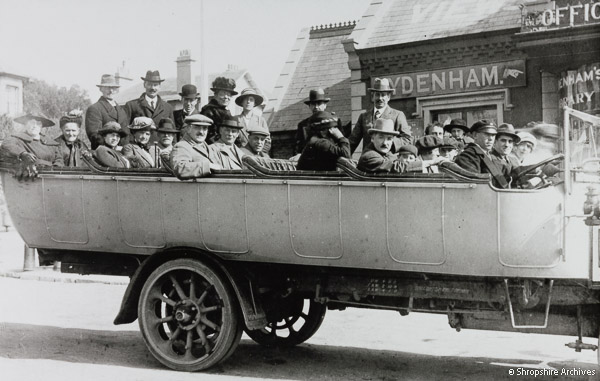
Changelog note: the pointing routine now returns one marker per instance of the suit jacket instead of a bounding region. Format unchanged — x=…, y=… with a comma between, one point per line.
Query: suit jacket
x=303, y=133
x=253, y=121
x=374, y=162
x=190, y=159
x=139, y=107
x=474, y=159
x=138, y=157
x=109, y=157
x=46, y=151
x=179, y=118
x=71, y=152
x=100, y=113
x=217, y=113
x=321, y=154
x=248, y=152
x=365, y=122
x=228, y=157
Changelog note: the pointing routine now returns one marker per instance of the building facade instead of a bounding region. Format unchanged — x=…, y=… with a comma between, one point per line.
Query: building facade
x=11, y=93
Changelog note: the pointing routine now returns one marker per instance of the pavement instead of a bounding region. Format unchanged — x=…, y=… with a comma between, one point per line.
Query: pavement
x=12, y=255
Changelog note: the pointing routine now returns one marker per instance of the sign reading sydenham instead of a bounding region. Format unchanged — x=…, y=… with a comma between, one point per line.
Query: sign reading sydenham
x=459, y=79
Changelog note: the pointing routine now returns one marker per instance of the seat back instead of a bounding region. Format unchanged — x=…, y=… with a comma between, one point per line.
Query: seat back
x=283, y=169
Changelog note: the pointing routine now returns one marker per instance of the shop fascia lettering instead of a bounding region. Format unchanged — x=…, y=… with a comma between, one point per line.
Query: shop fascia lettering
x=581, y=85
x=568, y=15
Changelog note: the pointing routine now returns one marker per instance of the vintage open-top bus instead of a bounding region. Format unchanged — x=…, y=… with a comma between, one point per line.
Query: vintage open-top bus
x=268, y=249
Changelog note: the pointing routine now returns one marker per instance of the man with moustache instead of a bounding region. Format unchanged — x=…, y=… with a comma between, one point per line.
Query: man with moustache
x=104, y=111
x=167, y=134
x=191, y=156
x=477, y=158
x=189, y=98
x=150, y=104
x=216, y=109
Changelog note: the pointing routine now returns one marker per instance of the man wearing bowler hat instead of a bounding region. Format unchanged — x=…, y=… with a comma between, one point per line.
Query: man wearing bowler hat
x=381, y=93
x=150, y=104
x=167, y=135
x=477, y=158
x=223, y=89
x=317, y=102
x=189, y=98
x=191, y=156
x=105, y=110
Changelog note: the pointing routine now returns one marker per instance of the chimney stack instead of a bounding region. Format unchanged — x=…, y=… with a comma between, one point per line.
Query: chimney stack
x=122, y=73
x=184, y=68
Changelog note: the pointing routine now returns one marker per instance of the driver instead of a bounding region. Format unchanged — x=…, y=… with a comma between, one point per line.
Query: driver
x=506, y=138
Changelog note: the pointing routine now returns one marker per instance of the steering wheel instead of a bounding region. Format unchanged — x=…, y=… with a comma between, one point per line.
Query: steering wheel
x=543, y=184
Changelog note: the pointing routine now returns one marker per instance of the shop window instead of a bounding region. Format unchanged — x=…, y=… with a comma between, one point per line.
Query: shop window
x=469, y=114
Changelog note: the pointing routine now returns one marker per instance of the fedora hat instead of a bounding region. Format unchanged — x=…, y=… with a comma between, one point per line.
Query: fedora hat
x=456, y=123
x=166, y=125
x=108, y=80
x=383, y=126
x=110, y=127
x=198, y=120
x=382, y=85
x=231, y=123
x=27, y=117
x=222, y=83
x=152, y=76
x=142, y=123
x=258, y=100
x=189, y=91
x=317, y=95
x=484, y=125
x=323, y=120
x=509, y=130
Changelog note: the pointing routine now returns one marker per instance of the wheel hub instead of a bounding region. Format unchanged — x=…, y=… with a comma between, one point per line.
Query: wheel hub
x=187, y=314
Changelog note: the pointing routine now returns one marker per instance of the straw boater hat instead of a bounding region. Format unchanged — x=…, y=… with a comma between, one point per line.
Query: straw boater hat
x=189, y=91
x=198, y=120
x=142, y=123
x=508, y=130
x=26, y=118
x=108, y=80
x=258, y=100
x=317, y=95
x=484, y=126
x=323, y=120
x=382, y=85
x=383, y=126
x=222, y=83
x=166, y=125
x=112, y=126
x=152, y=76
x=457, y=123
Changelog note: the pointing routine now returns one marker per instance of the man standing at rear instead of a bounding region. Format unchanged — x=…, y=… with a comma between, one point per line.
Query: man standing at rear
x=150, y=104
x=104, y=111
x=381, y=93
x=189, y=98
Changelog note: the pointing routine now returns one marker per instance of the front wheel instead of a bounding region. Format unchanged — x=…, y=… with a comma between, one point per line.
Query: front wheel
x=189, y=317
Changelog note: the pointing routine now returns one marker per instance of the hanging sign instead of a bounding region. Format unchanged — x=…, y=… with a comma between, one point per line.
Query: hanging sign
x=559, y=14
x=579, y=88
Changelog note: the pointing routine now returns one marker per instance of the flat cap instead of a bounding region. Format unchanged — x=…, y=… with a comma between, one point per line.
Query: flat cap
x=408, y=148
x=429, y=142
x=198, y=120
x=450, y=143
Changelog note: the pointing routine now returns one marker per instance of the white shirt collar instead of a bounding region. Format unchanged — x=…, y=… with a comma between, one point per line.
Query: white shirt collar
x=381, y=110
x=149, y=100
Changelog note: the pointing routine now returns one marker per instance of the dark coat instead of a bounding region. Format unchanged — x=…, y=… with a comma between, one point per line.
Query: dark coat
x=46, y=151
x=71, y=152
x=99, y=114
x=109, y=157
x=321, y=154
x=138, y=156
x=374, y=162
x=139, y=107
x=217, y=113
x=303, y=133
x=248, y=152
x=365, y=122
x=180, y=116
x=474, y=159
x=509, y=165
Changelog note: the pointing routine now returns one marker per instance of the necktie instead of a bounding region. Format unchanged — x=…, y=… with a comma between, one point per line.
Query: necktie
x=377, y=114
x=152, y=104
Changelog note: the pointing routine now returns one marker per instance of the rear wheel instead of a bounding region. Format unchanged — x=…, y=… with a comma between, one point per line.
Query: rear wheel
x=188, y=316
x=291, y=321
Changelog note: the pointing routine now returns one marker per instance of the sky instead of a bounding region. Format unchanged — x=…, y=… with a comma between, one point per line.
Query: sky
x=68, y=42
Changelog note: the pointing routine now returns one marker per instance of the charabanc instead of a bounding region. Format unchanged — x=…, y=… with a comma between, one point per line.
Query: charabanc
x=268, y=249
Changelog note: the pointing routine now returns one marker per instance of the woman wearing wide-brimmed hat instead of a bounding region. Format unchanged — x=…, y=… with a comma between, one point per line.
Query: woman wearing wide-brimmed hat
x=69, y=145
x=216, y=109
x=251, y=117
x=107, y=154
x=138, y=151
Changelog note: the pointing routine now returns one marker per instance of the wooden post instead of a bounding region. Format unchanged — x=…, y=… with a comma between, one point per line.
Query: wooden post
x=29, y=262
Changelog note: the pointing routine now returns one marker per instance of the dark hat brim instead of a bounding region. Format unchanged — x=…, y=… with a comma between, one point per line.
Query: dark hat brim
x=196, y=96
x=216, y=89
x=515, y=137
x=488, y=130
x=151, y=79
x=308, y=102
x=168, y=131
x=25, y=118
x=240, y=99
x=105, y=132
x=449, y=127
x=372, y=131
x=374, y=90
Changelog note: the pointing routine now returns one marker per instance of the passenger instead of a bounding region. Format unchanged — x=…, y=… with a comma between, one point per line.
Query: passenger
x=138, y=152
x=435, y=129
x=476, y=157
x=378, y=158
x=167, y=134
x=104, y=111
x=191, y=156
x=251, y=117
x=317, y=102
x=108, y=154
x=257, y=138
x=150, y=104
x=525, y=146
x=29, y=146
x=69, y=145
x=227, y=154
x=449, y=148
x=189, y=98
x=407, y=153
x=547, y=136
x=380, y=95
x=503, y=146
x=325, y=146
x=216, y=110
x=428, y=149
x=459, y=130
